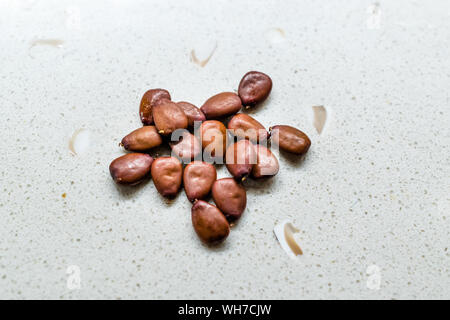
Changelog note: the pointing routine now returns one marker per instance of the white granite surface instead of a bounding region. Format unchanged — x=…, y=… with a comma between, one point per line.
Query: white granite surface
x=372, y=197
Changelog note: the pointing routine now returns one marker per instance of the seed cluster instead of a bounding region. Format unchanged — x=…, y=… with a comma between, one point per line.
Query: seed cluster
x=247, y=156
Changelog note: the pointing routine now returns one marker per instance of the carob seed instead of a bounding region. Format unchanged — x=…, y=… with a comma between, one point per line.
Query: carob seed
x=167, y=175
x=209, y=223
x=168, y=117
x=246, y=127
x=221, y=105
x=267, y=164
x=214, y=138
x=150, y=99
x=290, y=139
x=230, y=197
x=141, y=139
x=254, y=88
x=192, y=112
x=240, y=159
x=198, y=178
x=130, y=168
x=187, y=148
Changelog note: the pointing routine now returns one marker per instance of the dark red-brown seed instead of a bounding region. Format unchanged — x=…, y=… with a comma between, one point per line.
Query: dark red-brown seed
x=192, y=112
x=187, y=147
x=254, y=88
x=141, y=139
x=150, y=99
x=130, y=168
x=240, y=159
x=167, y=175
x=209, y=223
x=198, y=178
x=290, y=139
x=221, y=105
x=230, y=197
x=168, y=117
x=246, y=127
x=214, y=138
x=267, y=164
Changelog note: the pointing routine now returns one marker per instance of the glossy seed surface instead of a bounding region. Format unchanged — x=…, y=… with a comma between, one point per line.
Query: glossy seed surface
x=187, y=148
x=150, y=99
x=246, y=127
x=221, y=105
x=167, y=175
x=209, y=223
x=130, y=168
x=168, y=117
x=230, y=197
x=290, y=139
x=266, y=165
x=254, y=88
x=213, y=134
x=142, y=139
x=198, y=178
x=192, y=112
x=240, y=159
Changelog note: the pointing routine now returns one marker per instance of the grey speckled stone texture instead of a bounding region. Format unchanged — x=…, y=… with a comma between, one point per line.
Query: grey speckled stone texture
x=373, y=190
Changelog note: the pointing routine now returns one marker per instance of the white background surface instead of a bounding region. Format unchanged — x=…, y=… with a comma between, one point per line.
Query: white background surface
x=373, y=190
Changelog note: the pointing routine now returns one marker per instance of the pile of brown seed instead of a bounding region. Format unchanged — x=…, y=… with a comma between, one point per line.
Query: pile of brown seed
x=247, y=156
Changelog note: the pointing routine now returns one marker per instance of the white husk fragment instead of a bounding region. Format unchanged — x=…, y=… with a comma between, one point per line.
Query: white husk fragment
x=275, y=35
x=79, y=142
x=284, y=231
x=320, y=118
x=203, y=52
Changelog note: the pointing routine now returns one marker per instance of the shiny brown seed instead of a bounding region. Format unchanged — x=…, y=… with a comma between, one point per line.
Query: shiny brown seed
x=254, y=88
x=168, y=117
x=187, y=147
x=290, y=139
x=150, y=99
x=130, y=168
x=230, y=197
x=240, y=159
x=246, y=127
x=267, y=164
x=198, y=178
x=142, y=139
x=167, y=174
x=214, y=138
x=221, y=105
x=209, y=223
x=192, y=112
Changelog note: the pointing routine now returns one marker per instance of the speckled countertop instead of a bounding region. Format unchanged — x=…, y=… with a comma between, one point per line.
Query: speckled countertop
x=371, y=199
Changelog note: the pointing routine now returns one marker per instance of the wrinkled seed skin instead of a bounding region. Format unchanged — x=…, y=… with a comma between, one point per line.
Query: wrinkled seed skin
x=230, y=197
x=246, y=127
x=168, y=117
x=149, y=99
x=192, y=112
x=167, y=175
x=209, y=223
x=254, y=88
x=130, y=168
x=267, y=164
x=240, y=159
x=290, y=139
x=221, y=105
x=214, y=137
x=142, y=139
x=187, y=148
x=198, y=178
